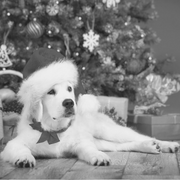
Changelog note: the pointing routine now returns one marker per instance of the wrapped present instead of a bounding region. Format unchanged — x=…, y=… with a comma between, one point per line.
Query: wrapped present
x=120, y=104
x=10, y=120
x=9, y=117
x=165, y=127
x=1, y=122
x=154, y=92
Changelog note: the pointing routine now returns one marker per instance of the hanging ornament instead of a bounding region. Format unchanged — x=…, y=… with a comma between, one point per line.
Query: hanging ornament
x=108, y=61
x=39, y=8
x=4, y=58
x=35, y=29
x=140, y=43
x=135, y=66
x=87, y=10
x=52, y=9
x=66, y=43
x=62, y=9
x=91, y=40
x=4, y=51
x=53, y=29
x=99, y=5
x=111, y=3
x=108, y=28
x=11, y=49
x=25, y=13
x=77, y=22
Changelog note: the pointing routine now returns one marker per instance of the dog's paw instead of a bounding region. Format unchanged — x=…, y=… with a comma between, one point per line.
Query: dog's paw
x=169, y=147
x=150, y=146
x=100, y=159
x=25, y=161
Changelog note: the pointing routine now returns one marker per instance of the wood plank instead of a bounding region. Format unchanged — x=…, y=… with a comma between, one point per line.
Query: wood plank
x=99, y=173
x=178, y=159
x=82, y=170
x=170, y=164
x=44, y=169
x=151, y=164
x=119, y=158
x=5, y=168
x=156, y=177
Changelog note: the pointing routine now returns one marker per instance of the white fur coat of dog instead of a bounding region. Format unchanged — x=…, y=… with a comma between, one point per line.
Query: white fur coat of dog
x=79, y=127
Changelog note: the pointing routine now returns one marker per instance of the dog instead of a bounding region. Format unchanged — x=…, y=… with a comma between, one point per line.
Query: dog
x=56, y=124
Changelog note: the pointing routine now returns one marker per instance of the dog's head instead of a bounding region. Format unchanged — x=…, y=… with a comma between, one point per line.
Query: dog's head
x=58, y=107
x=48, y=95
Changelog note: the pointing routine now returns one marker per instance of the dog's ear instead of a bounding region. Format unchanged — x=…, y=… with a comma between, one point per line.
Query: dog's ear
x=32, y=111
x=37, y=111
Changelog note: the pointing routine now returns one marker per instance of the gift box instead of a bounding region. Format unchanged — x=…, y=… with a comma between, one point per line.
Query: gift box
x=166, y=127
x=8, y=125
x=1, y=123
x=119, y=103
x=10, y=121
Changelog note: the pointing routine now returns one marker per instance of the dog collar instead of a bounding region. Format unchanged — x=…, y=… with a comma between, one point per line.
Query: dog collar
x=50, y=136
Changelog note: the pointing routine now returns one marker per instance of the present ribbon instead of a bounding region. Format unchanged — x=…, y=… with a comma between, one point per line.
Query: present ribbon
x=50, y=136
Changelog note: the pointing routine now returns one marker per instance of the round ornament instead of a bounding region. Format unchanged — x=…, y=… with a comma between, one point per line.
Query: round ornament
x=53, y=28
x=108, y=28
x=52, y=9
x=35, y=29
x=135, y=66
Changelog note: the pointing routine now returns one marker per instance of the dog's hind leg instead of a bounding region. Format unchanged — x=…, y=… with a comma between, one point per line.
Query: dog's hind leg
x=18, y=154
x=110, y=131
x=148, y=146
x=116, y=133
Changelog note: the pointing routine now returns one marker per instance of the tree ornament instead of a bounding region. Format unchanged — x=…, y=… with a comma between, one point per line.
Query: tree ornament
x=35, y=29
x=111, y=3
x=39, y=8
x=87, y=10
x=77, y=22
x=4, y=58
x=53, y=28
x=135, y=66
x=108, y=28
x=52, y=9
x=91, y=40
x=99, y=5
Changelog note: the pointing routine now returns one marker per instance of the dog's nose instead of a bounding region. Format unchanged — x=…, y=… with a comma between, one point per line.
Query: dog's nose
x=68, y=103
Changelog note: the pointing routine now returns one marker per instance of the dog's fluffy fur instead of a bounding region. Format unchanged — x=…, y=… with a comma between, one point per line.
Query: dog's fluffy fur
x=48, y=97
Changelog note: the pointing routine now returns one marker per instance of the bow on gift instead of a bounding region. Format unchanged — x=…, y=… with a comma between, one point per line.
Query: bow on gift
x=163, y=87
x=155, y=93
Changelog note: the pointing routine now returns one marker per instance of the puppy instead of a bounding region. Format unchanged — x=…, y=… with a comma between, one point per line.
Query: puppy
x=78, y=129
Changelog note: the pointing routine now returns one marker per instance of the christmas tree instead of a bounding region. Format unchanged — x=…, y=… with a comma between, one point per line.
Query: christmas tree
x=109, y=40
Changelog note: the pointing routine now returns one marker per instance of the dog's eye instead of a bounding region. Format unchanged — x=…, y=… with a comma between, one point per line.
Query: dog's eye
x=69, y=88
x=52, y=92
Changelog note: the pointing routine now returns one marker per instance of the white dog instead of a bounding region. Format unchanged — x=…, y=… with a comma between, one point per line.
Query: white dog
x=53, y=125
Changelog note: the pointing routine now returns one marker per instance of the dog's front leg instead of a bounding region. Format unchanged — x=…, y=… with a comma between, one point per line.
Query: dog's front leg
x=18, y=154
x=88, y=152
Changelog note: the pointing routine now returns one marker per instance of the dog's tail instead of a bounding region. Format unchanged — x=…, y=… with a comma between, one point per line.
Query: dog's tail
x=88, y=103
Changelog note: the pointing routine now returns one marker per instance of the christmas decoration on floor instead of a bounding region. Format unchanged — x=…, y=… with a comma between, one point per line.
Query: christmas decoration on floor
x=109, y=40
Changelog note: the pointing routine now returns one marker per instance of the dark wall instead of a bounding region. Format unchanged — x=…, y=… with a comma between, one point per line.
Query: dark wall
x=167, y=27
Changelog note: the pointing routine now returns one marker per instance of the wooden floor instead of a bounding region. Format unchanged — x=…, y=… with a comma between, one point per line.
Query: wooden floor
x=125, y=165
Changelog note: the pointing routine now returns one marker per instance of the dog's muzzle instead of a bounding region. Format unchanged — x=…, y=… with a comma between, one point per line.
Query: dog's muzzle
x=69, y=107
